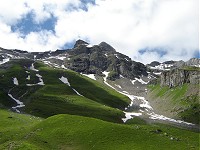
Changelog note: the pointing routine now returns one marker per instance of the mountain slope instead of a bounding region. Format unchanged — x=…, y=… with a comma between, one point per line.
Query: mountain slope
x=44, y=94
x=24, y=132
x=99, y=62
x=177, y=93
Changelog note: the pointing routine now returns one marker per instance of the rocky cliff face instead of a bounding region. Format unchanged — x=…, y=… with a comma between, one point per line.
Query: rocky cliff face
x=177, y=77
x=84, y=58
x=103, y=57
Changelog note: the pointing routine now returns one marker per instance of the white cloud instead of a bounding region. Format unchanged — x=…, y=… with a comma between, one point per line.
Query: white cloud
x=128, y=26
x=12, y=11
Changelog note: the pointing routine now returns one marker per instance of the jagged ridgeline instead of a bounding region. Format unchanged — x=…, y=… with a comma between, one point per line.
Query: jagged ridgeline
x=93, y=97
x=54, y=82
x=98, y=58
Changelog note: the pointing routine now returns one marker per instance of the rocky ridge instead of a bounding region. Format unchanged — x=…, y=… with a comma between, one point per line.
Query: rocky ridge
x=85, y=58
x=104, y=62
x=178, y=77
x=95, y=59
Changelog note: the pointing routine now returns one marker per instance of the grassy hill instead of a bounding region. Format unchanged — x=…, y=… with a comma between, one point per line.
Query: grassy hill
x=55, y=97
x=72, y=132
x=180, y=102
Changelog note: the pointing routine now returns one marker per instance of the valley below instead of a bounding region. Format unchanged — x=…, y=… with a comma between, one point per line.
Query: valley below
x=141, y=106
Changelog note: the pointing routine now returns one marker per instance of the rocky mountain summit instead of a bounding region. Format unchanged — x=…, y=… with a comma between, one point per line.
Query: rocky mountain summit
x=108, y=68
x=85, y=58
x=98, y=59
x=103, y=57
x=95, y=59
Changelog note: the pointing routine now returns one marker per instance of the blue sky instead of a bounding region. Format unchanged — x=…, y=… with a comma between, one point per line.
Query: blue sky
x=144, y=30
x=27, y=25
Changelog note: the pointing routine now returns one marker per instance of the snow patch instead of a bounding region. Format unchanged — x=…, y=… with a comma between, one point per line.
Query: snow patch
x=141, y=81
x=157, y=73
x=61, y=58
x=105, y=79
x=77, y=92
x=162, y=67
x=19, y=103
x=57, y=57
x=130, y=115
x=106, y=74
x=15, y=81
x=41, y=80
x=145, y=104
x=118, y=86
x=196, y=66
x=51, y=64
x=63, y=67
x=64, y=80
x=4, y=61
x=32, y=67
x=11, y=56
x=89, y=46
x=161, y=117
x=116, y=56
x=39, y=76
x=133, y=81
x=39, y=83
x=121, y=76
x=91, y=76
x=126, y=59
x=28, y=78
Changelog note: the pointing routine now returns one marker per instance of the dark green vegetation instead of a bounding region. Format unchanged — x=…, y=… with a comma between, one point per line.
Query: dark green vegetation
x=55, y=97
x=62, y=123
x=191, y=68
x=183, y=100
x=26, y=132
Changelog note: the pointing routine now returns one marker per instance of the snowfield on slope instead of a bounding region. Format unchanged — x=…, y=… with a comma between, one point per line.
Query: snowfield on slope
x=65, y=81
x=4, y=61
x=19, y=103
x=91, y=76
x=139, y=80
x=145, y=107
x=32, y=67
x=15, y=81
x=39, y=83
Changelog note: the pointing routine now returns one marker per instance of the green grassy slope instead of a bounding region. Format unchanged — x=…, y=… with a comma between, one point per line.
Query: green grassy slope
x=55, y=97
x=14, y=128
x=76, y=132
x=182, y=100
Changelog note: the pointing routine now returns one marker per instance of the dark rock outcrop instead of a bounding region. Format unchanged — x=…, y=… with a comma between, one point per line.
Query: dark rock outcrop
x=178, y=77
x=154, y=63
x=79, y=43
x=193, y=62
x=106, y=47
x=102, y=57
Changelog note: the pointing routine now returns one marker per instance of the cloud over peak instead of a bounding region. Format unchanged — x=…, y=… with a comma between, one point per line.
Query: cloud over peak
x=130, y=26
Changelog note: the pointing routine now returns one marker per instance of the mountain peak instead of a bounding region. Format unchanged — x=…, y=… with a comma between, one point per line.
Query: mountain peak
x=80, y=42
x=106, y=47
